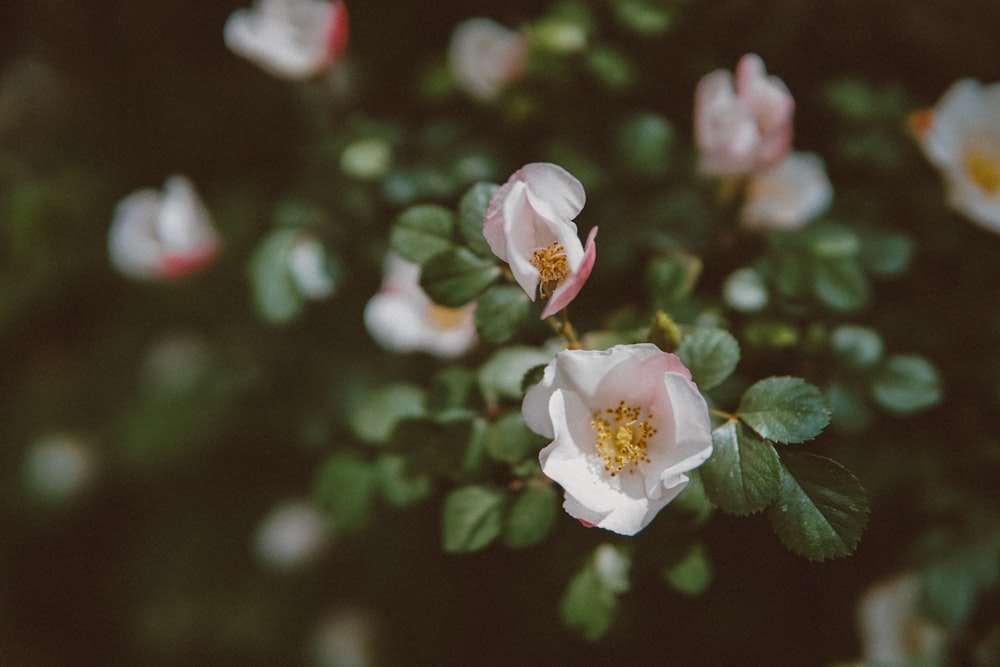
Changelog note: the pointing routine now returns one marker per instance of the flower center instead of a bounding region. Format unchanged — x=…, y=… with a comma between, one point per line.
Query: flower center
x=552, y=267
x=443, y=318
x=622, y=438
x=983, y=169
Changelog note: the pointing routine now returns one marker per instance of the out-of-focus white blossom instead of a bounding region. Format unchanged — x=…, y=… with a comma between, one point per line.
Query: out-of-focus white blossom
x=345, y=638
x=309, y=267
x=891, y=628
x=961, y=137
x=162, y=234
x=291, y=535
x=402, y=318
x=787, y=195
x=743, y=127
x=484, y=56
x=529, y=224
x=292, y=39
x=59, y=467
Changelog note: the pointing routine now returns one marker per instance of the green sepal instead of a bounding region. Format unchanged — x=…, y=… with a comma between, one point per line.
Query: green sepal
x=743, y=475
x=456, y=276
x=472, y=518
x=421, y=232
x=785, y=409
x=664, y=333
x=531, y=516
x=822, y=509
x=711, y=355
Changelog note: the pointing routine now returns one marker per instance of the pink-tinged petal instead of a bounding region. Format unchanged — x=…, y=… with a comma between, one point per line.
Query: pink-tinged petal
x=494, y=227
x=337, y=31
x=182, y=264
x=571, y=286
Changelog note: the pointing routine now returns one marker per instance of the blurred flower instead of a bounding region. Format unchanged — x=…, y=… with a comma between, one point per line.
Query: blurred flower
x=746, y=128
x=961, y=137
x=291, y=535
x=484, y=56
x=309, y=268
x=59, y=467
x=788, y=195
x=164, y=234
x=292, y=39
x=402, y=318
x=529, y=225
x=626, y=423
x=346, y=638
x=892, y=630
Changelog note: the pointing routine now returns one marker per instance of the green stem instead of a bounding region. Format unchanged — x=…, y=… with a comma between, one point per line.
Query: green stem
x=723, y=414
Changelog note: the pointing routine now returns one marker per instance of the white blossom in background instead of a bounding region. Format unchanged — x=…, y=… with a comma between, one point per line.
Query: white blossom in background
x=890, y=626
x=788, y=195
x=485, y=56
x=529, y=224
x=291, y=535
x=292, y=39
x=402, y=318
x=59, y=467
x=743, y=126
x=310, y=269
x=162, y=234
x=961, y=137
x=345, y=638
x=626, y=425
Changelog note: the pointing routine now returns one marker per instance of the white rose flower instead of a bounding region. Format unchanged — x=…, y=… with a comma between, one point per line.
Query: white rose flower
x=529, y=224
x=402, y=318
x=626, y=424
x=292, y=39
x=292, y=534
x=484, y=56
x=788, y=195
x=162, y=234
x=961, y=137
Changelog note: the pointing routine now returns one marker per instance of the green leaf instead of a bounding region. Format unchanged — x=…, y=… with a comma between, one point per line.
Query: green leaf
x=452, y=449
x=692, y=574
x=886, y=253
x=471, y=212
x=274, y=293
x=398, y=486
x=509, y=440
x=346, y=489
x=745, y=290
x=644, y=143
x=711, y=355
x=375, y=417
x=450, y=394
x=502, y=375
x=743, y=475
x=672, y=277
x=859, y=346
x=785, y=409
x=421, y=232
x=456, y=276
x=906, y=383
x=472, y=518
x=851, y=413
x=840, y=283
x=822, y=510
x=591, y=599
x=501, y=311
x=531, y=516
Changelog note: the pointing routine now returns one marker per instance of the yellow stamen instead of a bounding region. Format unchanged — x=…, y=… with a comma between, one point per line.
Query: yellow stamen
x=983, y=169
x=552, y=268
x=622, y=438
x=443, y=318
